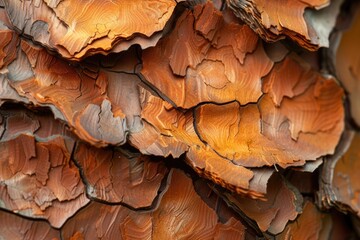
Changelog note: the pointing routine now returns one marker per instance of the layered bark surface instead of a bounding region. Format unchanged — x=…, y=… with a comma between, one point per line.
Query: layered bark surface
x=309, y=23
x=197, y=219
x=74, y=29
x=178, y=119
x=286, y=126
x=36, y=156
x=120, y=176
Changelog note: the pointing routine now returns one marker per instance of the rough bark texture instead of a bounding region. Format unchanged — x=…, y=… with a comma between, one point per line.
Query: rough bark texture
x=197, y=119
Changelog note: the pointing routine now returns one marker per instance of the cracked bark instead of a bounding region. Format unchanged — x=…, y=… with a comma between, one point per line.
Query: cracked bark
x=179, y=119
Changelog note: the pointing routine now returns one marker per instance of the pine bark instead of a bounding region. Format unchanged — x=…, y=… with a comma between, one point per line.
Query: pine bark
x=147, y=119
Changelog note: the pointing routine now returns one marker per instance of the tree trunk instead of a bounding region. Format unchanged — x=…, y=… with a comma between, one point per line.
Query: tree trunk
x=170, y=119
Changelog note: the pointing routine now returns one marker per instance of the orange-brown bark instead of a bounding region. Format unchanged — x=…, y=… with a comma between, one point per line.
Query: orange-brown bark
x=309, y=23
x=178, y=119
x=299, y=120
x=283, y=203
x=309, y=225
x=15, y=227
x=347, y=62
x=76, y=94
x=35, y=158
x=205, y=61
x=345, y=182
x=136, y=186
x=179, y=201
x=75, y=30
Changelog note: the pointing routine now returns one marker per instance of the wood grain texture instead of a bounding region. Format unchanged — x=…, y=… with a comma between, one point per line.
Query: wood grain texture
x=77, y=29
x=310, y=120
x=283, y=204
x=199, y=119
x=9, y=40
x=18, y=228
x=120, y=176
x=180, y=127
x=78, y=93
x=309, y=225
x=179, y=215
x=300, y=118
x=38, y=178
x=201, y=63
x=100, y=115
x=309, y=23
x=320, y=225
x=344, y=184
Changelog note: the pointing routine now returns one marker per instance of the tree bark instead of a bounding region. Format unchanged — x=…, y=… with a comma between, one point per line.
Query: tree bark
x=197, y=119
